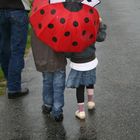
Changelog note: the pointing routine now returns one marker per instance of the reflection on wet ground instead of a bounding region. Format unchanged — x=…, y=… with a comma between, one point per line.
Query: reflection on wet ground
x=54, y=130
x=24, y=121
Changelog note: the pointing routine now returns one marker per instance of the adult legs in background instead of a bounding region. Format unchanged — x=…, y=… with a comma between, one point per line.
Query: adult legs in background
x=19, y=28
x=5, y=50
x=13, y=37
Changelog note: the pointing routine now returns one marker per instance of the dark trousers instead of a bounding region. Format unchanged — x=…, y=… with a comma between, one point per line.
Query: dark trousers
x=13, y=37
x=80, y=92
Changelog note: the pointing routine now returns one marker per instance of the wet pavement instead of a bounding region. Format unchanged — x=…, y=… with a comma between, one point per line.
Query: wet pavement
x=117, y=92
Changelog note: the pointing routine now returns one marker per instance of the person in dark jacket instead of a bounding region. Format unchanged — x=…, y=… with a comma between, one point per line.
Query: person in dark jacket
x=13, y=36
x=52, y=66
x=83, y=73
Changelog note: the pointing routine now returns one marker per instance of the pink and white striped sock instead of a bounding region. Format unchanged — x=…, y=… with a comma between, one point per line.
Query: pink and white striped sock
x=81, y=107
x=90, y=93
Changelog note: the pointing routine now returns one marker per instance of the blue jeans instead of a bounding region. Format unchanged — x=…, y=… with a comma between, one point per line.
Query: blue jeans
x=13, y=37
x=53, y=91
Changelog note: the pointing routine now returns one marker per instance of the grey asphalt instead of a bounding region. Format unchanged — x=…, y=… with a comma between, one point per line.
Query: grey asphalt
x=117, y=91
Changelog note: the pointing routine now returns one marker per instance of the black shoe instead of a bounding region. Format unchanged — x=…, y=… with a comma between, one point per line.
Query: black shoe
x=46, y=110
x=59, y=118
x=14, y=95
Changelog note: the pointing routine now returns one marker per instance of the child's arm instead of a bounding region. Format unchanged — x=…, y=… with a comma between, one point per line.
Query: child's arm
x=102, y=32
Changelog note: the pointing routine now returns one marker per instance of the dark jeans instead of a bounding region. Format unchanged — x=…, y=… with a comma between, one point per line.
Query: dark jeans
x=13, y=37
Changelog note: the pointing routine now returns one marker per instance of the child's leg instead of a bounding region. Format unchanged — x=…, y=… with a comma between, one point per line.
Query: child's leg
x=80, y=113
x=47, y=92
x=80, y=97
x=90, y=94
x=58, y=94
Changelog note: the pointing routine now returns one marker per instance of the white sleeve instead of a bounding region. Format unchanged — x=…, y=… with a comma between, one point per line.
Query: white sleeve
x=57, y=1
x=27, y=4
x=91, y=3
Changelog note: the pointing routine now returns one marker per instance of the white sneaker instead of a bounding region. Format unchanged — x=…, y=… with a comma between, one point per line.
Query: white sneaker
x=91, y=105
x=80, y=115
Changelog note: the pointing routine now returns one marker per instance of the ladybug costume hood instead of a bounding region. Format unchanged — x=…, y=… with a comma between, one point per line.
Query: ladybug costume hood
x=66, y=26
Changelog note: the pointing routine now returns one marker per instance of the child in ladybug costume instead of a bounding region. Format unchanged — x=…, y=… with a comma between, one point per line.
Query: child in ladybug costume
x=83, y=73
x=49, y=32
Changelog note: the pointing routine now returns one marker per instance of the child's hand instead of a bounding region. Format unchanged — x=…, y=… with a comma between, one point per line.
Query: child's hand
x=100, y=19
x=102, y=32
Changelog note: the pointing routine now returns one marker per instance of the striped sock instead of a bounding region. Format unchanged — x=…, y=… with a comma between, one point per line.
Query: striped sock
x=81, y=107
x=90, y=93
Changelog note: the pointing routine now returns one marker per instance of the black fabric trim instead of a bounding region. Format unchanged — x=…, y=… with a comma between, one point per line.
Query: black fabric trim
x=73, y=6
x=83, y=60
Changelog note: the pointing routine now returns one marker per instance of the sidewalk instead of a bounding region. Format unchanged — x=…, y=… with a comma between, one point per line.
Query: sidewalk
x=22, y=119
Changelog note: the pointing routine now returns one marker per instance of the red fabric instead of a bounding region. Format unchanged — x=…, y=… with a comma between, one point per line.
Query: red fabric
x=64, y=36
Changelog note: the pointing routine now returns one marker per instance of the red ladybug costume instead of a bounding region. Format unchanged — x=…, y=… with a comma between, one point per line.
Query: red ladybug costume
x=67, y=26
